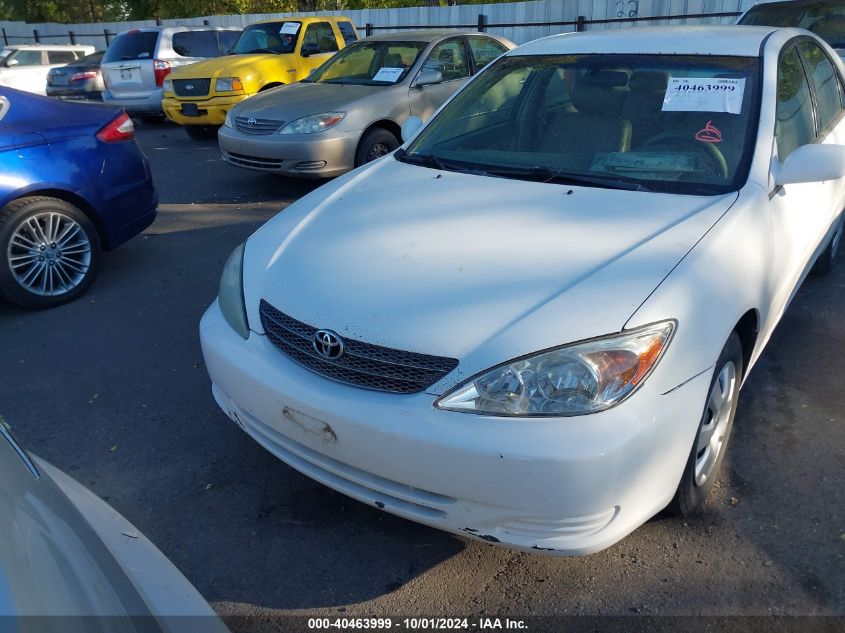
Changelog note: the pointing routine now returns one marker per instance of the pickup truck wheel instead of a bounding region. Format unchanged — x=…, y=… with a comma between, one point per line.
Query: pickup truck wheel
x=714, y=431
x=202, y=132
x=51, y=252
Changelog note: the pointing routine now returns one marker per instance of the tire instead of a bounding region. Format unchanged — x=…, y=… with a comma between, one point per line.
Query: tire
x=202, y=132
x=827, y=259
x=374, y=144
x=50, y=252
x=717, y=420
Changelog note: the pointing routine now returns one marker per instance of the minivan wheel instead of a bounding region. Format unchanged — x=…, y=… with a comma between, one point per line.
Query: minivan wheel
x=376, y=143
x=202, y=132
x=50, y=249
x=714, y=431
x=826, y=260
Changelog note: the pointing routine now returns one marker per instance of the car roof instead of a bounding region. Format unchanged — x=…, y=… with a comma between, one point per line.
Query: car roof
x=47, y=47
x=306, y=19
x=741, y=41
x=428, y=35
x=179, y=29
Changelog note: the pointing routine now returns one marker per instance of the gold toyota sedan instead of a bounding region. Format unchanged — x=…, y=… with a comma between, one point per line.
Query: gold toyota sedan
x=349, y=111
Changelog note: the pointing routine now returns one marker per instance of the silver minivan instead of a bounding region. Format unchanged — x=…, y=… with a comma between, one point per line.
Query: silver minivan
x=137, y=61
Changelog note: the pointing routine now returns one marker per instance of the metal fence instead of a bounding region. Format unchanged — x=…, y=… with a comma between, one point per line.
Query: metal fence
x=518, y=21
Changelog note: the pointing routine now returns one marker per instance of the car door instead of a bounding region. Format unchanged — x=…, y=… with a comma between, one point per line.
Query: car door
x=27, y=71
x=318, y=43
x=449, y=57
x=800, y=214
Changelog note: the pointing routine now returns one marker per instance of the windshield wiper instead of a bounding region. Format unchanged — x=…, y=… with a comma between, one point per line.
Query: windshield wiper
x=426, y=160
x=544, y=174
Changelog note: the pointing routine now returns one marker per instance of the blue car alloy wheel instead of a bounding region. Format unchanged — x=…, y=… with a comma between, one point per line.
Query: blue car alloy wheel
x=51, y=252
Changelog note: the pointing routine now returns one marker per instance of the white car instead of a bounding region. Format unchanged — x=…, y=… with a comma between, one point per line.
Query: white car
x=530, y=324
x=25, y=66
x=65, y=553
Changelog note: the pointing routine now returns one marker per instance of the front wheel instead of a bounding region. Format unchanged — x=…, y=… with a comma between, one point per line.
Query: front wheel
x=202, y=132
x=376, y=143
x=50, y=249
x=714, y=430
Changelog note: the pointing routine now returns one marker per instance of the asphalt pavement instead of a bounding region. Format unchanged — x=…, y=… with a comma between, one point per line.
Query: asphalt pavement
x=112, y=389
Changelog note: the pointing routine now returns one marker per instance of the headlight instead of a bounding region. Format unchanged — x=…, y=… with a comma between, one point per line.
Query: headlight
x=167, y=85
x=228, y=84
x=231, y=296
x=313, y=123
x=230, y=120
x=571, y=380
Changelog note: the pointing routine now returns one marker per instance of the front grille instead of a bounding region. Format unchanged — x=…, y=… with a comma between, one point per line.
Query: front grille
x=191, y=87
x=362, y=364
x=251, y=125
x=253, y=162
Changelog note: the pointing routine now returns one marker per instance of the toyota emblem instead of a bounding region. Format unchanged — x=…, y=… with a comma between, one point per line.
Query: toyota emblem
x=327, y=344
x=252, y=121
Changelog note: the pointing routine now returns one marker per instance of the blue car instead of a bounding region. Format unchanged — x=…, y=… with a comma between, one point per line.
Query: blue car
x=73, y=183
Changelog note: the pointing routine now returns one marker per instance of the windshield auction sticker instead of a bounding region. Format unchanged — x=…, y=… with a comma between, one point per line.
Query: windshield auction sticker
x=704, y=95
x=289, y=28
x=387, y=73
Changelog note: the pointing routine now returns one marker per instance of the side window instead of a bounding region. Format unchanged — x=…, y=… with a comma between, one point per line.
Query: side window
x=484, y=50
x=195, y=44
x=60, y=57
x=825, y=81
x=320, y=34
x=27, y=58
x=227, y=40
x=348, y=32
x=450, y=59
x=794, y=124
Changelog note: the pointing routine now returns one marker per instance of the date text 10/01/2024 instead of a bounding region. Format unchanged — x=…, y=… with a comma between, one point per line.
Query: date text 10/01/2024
x=416, y=624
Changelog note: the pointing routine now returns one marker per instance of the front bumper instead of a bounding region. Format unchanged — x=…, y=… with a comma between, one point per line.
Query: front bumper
x=211, y=111
x=322, y=155
x=567, y=486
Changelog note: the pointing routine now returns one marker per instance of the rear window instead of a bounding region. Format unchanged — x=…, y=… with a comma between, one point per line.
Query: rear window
x=93, y=59
x=132, y=45
x=348, y=32
x=195, y=44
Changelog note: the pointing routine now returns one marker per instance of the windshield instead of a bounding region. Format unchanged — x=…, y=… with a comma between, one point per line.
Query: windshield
x=825, y=19
x=270, y=37
x=370, y=63
x=681, y=124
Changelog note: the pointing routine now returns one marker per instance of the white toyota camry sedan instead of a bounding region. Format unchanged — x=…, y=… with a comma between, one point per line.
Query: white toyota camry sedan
x=530, y=324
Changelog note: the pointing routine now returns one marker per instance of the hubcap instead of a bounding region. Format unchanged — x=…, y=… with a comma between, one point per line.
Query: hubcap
x=49, y=254
x=717, y=415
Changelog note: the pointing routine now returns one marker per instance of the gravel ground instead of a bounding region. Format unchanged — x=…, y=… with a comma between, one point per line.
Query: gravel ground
x=112, y=389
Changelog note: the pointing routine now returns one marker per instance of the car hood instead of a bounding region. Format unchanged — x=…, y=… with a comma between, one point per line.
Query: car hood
x=470, y=267
x=226, y=66
x=293, y=101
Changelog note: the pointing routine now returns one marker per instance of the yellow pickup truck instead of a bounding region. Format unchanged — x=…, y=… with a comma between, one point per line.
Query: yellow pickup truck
x=266, y=55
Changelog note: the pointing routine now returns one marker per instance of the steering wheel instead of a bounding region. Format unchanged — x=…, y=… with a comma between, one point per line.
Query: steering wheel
x=715, y=159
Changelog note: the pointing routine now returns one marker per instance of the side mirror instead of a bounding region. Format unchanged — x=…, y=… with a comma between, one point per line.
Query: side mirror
x=11, y=62
x=427, y=77
x=309, y=49
x=410, y=127
x=811, y=163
